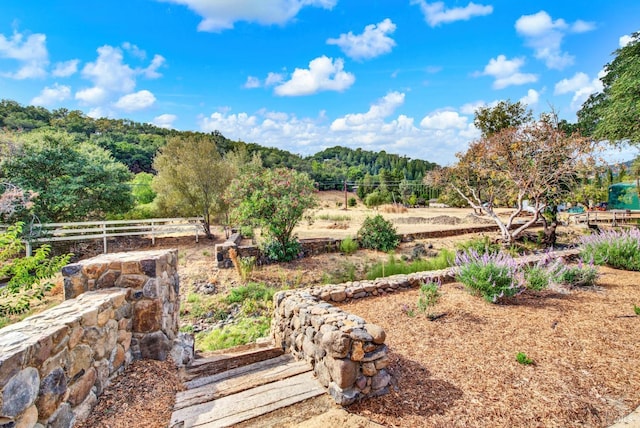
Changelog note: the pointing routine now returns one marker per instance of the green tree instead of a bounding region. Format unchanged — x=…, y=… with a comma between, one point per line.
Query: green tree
x=192, y=177
x=275, y=200
x=141, y=188
x=73, y=181
x=504, y=115
x=614, y=113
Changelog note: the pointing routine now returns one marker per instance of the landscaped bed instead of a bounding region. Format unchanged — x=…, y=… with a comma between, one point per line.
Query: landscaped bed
x=461, y=369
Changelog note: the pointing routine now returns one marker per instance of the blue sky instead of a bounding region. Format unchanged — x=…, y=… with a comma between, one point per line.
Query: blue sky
x=302, y=75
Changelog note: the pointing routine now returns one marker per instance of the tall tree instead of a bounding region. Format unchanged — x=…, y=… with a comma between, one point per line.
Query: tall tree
x=275, y=200
x=504, y=115
x=614, y=113
x=73, y=181
x=192, y=177
x=536, y=161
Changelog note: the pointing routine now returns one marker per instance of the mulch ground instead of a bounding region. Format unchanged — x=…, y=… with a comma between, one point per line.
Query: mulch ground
x=143, y=396
x=461, y=370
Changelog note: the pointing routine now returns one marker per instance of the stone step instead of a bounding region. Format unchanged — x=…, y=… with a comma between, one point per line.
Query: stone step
x=248, y=404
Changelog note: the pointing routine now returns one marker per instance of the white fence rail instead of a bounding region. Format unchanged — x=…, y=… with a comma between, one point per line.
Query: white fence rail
x=86, y=230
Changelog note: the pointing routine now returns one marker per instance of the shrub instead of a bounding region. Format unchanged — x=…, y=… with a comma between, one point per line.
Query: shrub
x=636, y=310
x=334, y=217
x=246, y=231
x=253, y=290
x=377, y=233
x=275, y=250
x=349, y=245
x=480, y=245
x=352, y=202
x=536, y=277
x=444, y=259
x=618, y=249
x=343, y=273
x=429, y=295
x=245, y=331
x=578, y=276
x=522, y=358
x=492, y=276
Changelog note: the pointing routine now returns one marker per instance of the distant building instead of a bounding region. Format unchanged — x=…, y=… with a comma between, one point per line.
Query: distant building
x=623, y=196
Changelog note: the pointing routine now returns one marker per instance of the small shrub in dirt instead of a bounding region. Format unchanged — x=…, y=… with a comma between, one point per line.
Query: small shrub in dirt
x=577, y=276
x=492, y=276
x=377, y=233
x=246, y=330
x=522, y=358
x=444, y=259
x=536, y=277
x=429, y=295
x=352, y=202
x=636, y=310
x=618, y=249
x=349, y=245
x=345, y=272
x=275, y=250
x=253, y=290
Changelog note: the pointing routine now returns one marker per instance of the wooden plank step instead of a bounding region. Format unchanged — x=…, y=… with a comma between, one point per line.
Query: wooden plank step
x=239, y=371
x=260, y=375
x=220, y=363
x=248, y=404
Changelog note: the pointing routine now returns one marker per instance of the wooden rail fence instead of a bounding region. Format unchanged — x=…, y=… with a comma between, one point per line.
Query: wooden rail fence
x=86, y=230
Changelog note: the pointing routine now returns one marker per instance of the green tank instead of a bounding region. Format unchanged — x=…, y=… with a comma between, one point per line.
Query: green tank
x=623, y=196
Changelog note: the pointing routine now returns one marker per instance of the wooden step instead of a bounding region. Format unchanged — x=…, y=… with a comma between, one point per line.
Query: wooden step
x=229, y=360
x=228, y=383
x=248, y=404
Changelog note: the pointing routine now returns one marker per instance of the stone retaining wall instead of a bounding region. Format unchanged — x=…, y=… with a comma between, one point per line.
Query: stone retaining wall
x=55, y=364
x=347, y=353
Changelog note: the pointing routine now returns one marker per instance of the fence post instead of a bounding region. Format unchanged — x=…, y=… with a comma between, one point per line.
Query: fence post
x=28, y=250
x=153, y=233
x=104, y=236
x=197, y=230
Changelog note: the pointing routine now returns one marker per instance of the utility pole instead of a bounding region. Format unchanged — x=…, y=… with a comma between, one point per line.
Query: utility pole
x=345, y=195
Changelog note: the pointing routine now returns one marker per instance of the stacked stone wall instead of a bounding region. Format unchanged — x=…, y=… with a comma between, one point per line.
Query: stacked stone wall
x=119, y=307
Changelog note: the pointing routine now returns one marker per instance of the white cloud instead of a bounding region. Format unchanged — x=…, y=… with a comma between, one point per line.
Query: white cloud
x=531, y=98
x=134, y=50
x=92, y=96
x=435, y=13
x=220, y=15
x=151, y=71
x=506, y=72
x=165, y=120
x=378, y=111
x=31, y=52
x=442, y=120
x=323, y=74
x=581, y=86
x=545, y=36
x=471, y=108
x=625, y=40
x=109, y=72
x=373, y=42
x=379, y=128
x=273, y=79
x=51, y=95
x=252, y=82
x=136, y=101
x=66, y=68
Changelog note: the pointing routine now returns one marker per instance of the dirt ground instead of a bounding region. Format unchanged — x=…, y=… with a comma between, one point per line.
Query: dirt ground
x=463, y=370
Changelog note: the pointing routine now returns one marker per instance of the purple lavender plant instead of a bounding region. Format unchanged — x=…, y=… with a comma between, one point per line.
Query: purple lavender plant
x=618, y=249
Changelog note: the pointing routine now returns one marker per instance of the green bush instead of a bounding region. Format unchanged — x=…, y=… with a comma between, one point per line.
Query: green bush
x=352, y=202
x=349, y=245
x=377, y=233
x=444, y=260
x=492, y=276
x=345, y=272
x=577, y=276
x=253, y=290
x=618, y=249
x=522, y=358
x=536, y=277
x=481, y=245
x=246, y=330
x=275, y=250
x=429, y=295
x=246, y=231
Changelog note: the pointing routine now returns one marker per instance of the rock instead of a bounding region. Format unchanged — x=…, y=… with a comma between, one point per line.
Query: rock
x=377, y=333
x=147, y=316
x=155, y=346
x=357, y=353
x=182, y=352
x=63, y=418
x=80, y=389
x=344, y=397
x=369, y=369
x=380, y=380
x=343, y=372
x=20, y=392
x=336, y=344
x=28, y=419
x=52, y=390
x=81, y=358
